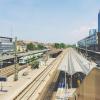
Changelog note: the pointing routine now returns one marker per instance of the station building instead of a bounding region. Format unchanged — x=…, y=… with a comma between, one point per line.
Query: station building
x=91, y=42
x=6, y=44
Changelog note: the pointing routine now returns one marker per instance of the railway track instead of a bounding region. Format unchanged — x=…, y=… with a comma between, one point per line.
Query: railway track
x=80, y=62
x=70, y=64
x=10, y=70
x=76, y=59
x=29, y=91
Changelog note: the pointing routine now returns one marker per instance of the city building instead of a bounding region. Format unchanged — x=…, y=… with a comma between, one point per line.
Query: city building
x=99, y=21
x=92, y=42
x=21, y=46
x=6, y=45
x=92, y=31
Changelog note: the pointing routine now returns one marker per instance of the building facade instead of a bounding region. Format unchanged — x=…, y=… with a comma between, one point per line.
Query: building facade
x=99, y=21
x=21, y=46
x=92, y=31
x=6, y=45
x=91, y=42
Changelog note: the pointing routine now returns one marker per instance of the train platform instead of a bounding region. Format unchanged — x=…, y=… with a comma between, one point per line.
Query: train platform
x=61, y=94
x=12, y=88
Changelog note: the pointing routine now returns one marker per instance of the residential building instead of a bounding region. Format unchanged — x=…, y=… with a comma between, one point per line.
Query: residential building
x=21, y=46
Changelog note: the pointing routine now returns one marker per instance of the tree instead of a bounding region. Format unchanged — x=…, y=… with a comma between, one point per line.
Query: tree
x=35, y=64
x=72, y=46
x=59, y=45
x=56, y=45
x=62, y=45
x=30, y=46
x=40, y=47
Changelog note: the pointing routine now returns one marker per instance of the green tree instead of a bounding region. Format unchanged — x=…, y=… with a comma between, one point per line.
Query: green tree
x=56, y=45
x=30, y=46
x=59, y=45
x=35, y=64
x=40, y=47
x=62, y=45
x=72, y=46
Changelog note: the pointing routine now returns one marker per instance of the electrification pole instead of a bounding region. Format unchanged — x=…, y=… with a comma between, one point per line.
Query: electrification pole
x=86, y=47
x=66, y=87
x=1, y=63
x=71, y=81
x=15, y=60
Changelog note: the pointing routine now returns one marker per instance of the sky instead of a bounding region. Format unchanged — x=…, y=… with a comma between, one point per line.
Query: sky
x=65, y=21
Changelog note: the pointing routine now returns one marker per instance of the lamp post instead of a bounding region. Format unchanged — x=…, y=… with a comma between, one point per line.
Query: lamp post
x=1, y=63
x=15, y=60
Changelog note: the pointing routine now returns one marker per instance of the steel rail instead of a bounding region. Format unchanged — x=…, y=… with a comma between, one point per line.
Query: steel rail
x=44, y=73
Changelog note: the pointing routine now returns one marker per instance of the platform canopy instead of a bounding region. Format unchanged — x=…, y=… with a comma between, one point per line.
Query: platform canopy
x=74, y=63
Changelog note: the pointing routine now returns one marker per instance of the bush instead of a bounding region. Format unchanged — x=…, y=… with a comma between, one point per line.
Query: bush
x=30, y=46
x=35, y=64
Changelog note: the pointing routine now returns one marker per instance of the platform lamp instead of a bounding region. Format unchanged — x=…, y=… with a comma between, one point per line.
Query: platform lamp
x=15, y=60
